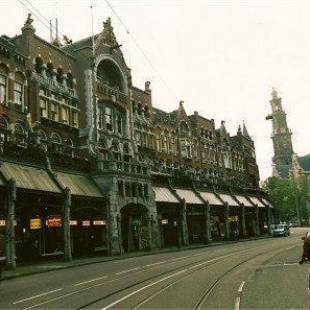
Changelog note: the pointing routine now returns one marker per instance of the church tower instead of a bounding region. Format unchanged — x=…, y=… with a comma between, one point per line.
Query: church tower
x=281, y=138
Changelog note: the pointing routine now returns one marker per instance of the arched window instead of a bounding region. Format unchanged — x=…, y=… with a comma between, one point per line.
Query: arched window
x=184, y=130
x=69, y=147
x=38, y=65
x=56, y=142
x=3, y=84
x=49, y=70
x=69, y=80
x=59, y=75
x=109, y=74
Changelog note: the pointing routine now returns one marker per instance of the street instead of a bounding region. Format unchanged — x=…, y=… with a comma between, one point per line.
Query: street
x=258, y=274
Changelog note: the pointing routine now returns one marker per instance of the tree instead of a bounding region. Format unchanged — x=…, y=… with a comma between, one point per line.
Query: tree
x=289, y=197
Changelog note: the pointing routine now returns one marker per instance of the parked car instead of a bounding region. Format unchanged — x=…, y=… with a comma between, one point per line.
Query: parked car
x=281, y=230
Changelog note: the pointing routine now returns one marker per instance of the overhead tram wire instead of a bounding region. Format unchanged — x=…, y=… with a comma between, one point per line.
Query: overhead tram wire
x=141, y=49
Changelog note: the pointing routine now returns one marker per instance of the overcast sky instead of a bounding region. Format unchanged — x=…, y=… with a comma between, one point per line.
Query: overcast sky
x=221, y=57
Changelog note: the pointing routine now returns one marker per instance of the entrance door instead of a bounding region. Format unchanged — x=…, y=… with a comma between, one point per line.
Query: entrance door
x=134, y=226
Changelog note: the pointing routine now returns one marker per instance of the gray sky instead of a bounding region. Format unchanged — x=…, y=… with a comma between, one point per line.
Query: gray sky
x=220, y=57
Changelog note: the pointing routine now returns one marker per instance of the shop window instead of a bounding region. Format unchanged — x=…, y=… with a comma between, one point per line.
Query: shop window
x=3, y=89
x=54, y=112
x=65, y=115
x=18, y=93
x=108, y=118
x=43, y=107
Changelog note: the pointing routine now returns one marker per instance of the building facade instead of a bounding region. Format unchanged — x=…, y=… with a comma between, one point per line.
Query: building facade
x=88, y=164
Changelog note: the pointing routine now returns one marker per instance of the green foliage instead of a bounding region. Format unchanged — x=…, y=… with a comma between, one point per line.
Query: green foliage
x=289, y=197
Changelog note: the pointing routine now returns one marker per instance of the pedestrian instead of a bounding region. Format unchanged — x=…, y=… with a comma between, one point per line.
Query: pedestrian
x=306, y=248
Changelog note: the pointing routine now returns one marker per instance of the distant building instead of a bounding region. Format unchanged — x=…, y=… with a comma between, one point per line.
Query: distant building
x=285, y=161
x=89, y=164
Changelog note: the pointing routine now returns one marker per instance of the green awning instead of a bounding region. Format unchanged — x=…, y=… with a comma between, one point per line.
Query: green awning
x=79, y=184
x=29, y=177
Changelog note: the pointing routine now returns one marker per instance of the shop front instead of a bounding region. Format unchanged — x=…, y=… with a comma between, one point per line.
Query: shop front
x=168, y=210
x=195, y=215
x=88, y=214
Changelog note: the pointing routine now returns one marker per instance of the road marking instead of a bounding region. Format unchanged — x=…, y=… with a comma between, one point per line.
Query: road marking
x=89, y=281
x=142, y=289
x=36, y=296
x=238, y=299
x=158, y=263
x=126, y=271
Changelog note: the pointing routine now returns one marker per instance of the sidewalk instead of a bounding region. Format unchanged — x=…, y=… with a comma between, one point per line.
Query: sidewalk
x=28, y=269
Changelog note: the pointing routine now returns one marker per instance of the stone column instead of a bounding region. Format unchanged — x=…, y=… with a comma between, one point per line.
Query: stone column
x=243, y=221
x=149, y=231
x=184, y=229
x=269, y=221
x=257, y=228
x=10, y=227
x=226, y=220
x=208, y=223
x=66, y=225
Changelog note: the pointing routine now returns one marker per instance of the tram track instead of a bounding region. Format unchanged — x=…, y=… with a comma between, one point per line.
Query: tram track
x=201, y=301
x=185, y=270
x=190, y=271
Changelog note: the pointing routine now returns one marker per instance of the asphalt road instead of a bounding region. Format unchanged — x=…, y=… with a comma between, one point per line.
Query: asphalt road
x=262, y=274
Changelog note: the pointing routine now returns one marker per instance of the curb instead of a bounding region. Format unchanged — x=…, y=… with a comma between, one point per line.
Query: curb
x=123, y=257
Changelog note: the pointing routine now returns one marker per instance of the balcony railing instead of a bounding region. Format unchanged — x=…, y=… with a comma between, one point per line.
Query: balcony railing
x=113, y=93
x=124, y=167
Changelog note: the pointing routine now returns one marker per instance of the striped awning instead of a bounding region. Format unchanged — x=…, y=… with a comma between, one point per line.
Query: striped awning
x=79, y=184
x=244, y=201
x=163, y=194
x=257, y=202
x=267, y=203
x=189, y=196
x=229, y=200
x=29, y=177
x=211, y=198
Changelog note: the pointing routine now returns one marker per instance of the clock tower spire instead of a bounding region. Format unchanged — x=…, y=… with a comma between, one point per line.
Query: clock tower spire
x=281, y=138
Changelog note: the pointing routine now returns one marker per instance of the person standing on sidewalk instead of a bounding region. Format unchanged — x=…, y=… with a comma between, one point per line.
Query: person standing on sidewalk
x=306, y=248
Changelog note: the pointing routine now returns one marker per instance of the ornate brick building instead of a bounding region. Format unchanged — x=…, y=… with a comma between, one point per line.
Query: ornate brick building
x=88, y=164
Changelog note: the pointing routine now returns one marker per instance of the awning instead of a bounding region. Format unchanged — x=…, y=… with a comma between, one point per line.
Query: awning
x=189, y=196
x=163, y=194
x=267, y=203
x=229, y=199
x=257, y=202
x=29, y=177
x=245, y=201
x=211, y=198
x=79, y=184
